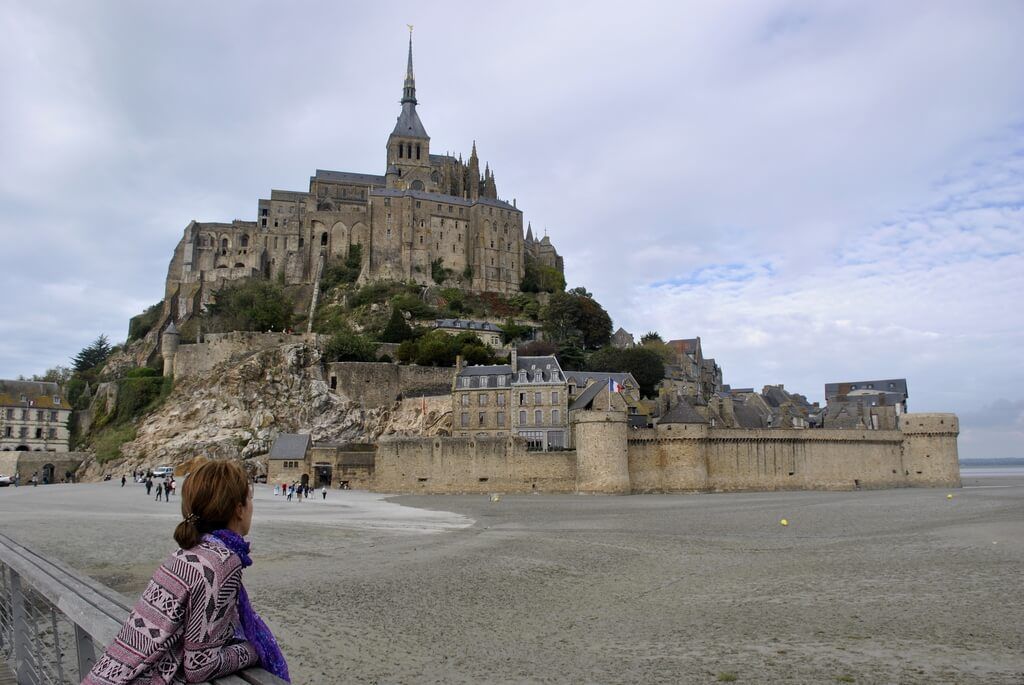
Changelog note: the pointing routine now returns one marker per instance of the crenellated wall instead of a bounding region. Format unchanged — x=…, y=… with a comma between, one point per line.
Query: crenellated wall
x=610, y=458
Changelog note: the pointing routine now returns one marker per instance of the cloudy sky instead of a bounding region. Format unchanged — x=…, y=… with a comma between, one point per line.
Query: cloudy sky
x=820, y=191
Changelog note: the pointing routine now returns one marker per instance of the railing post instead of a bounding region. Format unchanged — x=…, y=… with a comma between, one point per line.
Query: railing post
x=85, y=650
x=19, y=630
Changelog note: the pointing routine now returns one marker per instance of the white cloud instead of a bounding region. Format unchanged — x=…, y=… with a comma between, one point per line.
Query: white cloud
x=821, y=191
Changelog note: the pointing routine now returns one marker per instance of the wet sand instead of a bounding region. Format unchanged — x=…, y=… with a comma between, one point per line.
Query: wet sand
x=879, y=586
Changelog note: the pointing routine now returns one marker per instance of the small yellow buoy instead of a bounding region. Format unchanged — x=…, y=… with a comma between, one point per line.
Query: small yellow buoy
x=784, y=522
x=949, y=496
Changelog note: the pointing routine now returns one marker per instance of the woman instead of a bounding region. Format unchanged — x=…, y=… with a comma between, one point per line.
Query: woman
x=194, y=621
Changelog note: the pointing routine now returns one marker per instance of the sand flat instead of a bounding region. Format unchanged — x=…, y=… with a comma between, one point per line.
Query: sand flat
x=879, y=586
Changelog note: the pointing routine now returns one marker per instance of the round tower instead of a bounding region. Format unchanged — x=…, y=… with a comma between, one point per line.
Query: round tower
x=602, y=464
x=169, y=347
x=929, y=449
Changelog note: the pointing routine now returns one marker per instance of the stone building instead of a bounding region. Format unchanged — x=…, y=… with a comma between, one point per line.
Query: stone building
x=872, y=405
x=33, y=417
x=622, y=339
x=295, y=458
x=692, y=375
x=428, y=215
x=488, y=332
x=527, y=398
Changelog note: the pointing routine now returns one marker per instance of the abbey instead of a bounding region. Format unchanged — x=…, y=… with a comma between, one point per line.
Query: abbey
x=429, y=216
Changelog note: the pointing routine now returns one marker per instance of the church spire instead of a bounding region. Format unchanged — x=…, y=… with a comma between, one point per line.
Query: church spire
x=409, y=90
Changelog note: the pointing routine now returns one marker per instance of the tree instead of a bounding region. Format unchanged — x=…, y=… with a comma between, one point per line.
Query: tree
x=397, y=330
x=249, y=305
x=540, y=278
x=93, y=355
x=645, y=365
x=58, y=374
x=650, y=336
x=348, y=346
x=572, y=317
x=581, y=291
x=511, y=331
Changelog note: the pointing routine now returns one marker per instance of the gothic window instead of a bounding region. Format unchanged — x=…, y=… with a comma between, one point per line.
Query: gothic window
x=408, y=150
x=323, y=238
x=223, y=245
x=245, y=240
x=417, y=151
x=302, y=241
x=436, y=178
x=400, y=146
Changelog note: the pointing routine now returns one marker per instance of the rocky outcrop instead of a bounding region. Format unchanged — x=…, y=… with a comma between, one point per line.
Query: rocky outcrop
x=238, y=409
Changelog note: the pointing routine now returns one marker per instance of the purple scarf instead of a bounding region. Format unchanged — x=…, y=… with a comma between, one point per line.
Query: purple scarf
x=256, y=631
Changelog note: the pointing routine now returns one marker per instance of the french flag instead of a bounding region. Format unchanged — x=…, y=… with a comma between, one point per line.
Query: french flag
x=613, y=386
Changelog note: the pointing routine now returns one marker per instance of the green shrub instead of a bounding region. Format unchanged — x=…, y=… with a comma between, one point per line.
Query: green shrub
x=108, y=442
x=139, y=326
x=339, y=271
x=378, y=293
x=249, y=305
x=414, y=304
x=438, y=272
x=142, y=372
x=348, y=346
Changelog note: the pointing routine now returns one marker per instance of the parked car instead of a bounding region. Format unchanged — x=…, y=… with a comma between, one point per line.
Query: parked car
x=163, y=472
x=5, y=480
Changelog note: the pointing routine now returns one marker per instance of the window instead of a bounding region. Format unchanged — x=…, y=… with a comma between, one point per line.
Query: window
x=417, y=151
x=522, y=417
x=24, y=414
x=555, y=416
x=23, y=432
x=501, y=400
x=483, y=381
x=537, y=398
x=465, y=399
x=465, y=382
x=482, y=400
x=10, y=413
x=400, y=150
x=480, y=419
x=538, y=417
x=39, y=415
x=501, y=419
x=56, y=400
x=7, y=431
x=522, y=398
x=465, y=419
x=554, y=397
x=501, y=381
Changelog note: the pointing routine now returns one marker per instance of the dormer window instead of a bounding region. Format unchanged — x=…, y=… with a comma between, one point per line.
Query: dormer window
x=501, y=381
x=56, y=400
x=465, y=382
x=522, y=376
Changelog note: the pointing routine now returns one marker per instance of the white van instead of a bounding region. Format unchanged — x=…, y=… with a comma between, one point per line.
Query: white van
x=163, y=472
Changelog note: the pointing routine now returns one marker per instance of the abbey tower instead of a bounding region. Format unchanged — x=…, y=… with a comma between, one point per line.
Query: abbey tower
x=427, y=214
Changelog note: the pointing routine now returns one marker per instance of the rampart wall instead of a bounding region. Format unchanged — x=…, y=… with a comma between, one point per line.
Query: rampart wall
x=483, y=464
x=199, y=358
x=679, y=458
x=379, y=384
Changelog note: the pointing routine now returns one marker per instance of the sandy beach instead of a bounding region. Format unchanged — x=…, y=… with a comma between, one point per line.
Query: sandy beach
x=881, y=586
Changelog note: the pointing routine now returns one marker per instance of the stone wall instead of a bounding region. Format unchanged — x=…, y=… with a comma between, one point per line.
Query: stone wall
x=27, y=463
x=610, y=458
x=199, y=358
x=379, y=384
x=440, y=465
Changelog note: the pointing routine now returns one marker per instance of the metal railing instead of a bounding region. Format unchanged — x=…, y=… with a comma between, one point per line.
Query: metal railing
x=54, y=621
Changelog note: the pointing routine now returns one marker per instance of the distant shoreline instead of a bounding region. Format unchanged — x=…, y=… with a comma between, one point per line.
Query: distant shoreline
x=984, y=463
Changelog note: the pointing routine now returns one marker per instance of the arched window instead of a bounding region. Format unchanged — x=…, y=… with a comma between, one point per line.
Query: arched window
x=417, y=151
x=323, y=238
x=223, y=245
x=245, y=240
x=408, y=150
x=400, y=150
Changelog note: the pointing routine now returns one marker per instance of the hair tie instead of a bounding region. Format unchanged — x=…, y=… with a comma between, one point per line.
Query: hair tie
x=192, y=518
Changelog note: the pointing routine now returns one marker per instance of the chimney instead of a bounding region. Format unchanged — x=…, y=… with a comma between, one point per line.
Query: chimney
x=514, y=358
x=458, y=361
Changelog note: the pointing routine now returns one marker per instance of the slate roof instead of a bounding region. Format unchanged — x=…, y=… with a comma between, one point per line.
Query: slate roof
x=685, y=345
x=349, y=177
x=545, y=369
x=290, y=446
x=896, y=385
x=440, y=197
x=408, y=124
x=478, y=374
x=747, y=416
x=38, y=394
x=467, y=325
x=682, y=413
x=586, y=397
x=582, y=377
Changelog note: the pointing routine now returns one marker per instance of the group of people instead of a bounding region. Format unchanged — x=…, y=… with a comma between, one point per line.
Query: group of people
x=297, y=489
x=164, y=488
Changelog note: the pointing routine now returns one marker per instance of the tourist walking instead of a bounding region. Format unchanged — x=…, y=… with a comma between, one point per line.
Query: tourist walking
x=35, y=479
x=291, y=491
x=159, y=491
x=204, y=626
x=324, y=492
x=124, y=479
x=149, y=486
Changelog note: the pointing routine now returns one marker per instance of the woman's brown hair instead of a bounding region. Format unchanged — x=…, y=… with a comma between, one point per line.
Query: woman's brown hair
x=209, y=499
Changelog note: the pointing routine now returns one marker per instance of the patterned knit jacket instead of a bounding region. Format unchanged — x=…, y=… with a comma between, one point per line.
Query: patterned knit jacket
x=184, y=628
